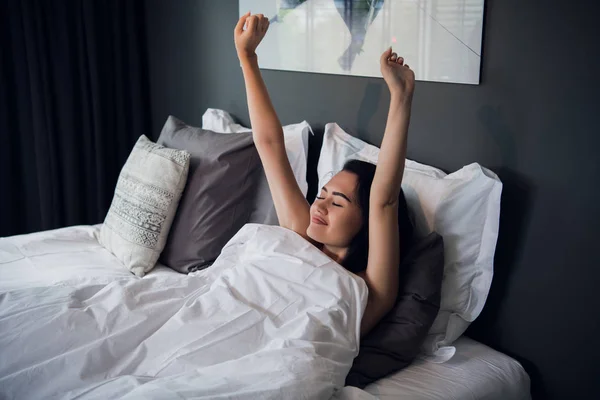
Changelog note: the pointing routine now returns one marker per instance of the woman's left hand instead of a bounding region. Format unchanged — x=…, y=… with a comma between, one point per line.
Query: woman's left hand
x=398, y=76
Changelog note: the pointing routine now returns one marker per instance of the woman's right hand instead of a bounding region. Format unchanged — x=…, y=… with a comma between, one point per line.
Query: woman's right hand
x=247, y=40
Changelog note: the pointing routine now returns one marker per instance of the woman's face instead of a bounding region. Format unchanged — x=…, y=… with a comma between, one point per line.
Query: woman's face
x=335, y=216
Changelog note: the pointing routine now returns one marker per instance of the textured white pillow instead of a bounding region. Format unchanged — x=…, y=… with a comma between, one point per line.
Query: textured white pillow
x=295, y=136
x=463, y=207
x=148, y=190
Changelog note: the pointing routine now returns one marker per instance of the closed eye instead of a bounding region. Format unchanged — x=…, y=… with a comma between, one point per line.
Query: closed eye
x=335, y=204
x=340, y=194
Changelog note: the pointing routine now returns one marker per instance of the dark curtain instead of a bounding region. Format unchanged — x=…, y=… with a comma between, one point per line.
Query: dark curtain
x=73, y=101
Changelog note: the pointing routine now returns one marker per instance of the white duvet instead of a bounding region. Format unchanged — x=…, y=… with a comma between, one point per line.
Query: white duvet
x=272, y=318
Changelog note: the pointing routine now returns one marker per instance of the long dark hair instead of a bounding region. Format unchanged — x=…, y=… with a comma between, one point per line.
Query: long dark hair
x=358, y=252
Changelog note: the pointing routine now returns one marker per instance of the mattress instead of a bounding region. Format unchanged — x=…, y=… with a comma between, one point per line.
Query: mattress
x=73, y=256
x=476, y=372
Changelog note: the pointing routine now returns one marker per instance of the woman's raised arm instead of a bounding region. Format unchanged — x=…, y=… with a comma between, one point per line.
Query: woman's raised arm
x=290, y=204
x=381, y=274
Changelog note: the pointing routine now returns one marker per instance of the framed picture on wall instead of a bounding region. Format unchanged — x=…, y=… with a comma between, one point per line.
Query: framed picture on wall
x=440, y=39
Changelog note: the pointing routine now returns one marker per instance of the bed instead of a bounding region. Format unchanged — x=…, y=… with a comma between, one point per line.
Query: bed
x=191, y=289
x=476, y=372
x=72, y=257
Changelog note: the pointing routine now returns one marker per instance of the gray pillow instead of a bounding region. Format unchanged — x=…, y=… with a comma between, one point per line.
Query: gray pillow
x=395, y=341
x=226, y=189
x=148, y=190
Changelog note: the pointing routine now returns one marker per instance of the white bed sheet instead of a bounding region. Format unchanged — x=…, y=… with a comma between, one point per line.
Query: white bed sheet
x=476, y=372
x=65, y=256
x=72, y=256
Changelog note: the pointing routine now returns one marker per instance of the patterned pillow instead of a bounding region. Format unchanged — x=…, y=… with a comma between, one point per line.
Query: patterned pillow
x=148, y=190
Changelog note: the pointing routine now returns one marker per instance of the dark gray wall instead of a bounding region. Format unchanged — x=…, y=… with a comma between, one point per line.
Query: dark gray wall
x=533, y=120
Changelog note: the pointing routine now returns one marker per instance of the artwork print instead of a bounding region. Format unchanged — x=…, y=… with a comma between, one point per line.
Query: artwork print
x=440, y=39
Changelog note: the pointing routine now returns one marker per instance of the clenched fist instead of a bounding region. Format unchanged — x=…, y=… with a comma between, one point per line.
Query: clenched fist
x=248, y=39
x=398, y=76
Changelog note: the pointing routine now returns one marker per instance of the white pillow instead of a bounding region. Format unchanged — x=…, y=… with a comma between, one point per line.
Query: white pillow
x=463, y=207
x=146, y=197
x=295, y=136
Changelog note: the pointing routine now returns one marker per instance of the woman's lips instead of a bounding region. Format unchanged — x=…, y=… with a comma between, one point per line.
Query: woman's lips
x=318, y=220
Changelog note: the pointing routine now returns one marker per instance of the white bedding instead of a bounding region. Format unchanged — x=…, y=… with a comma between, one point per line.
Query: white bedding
x=69, y=262
x=61, y=256
x=272, y=318
x=476, y=372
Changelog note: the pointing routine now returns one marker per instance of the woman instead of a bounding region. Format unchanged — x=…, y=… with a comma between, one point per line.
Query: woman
x=354, y=220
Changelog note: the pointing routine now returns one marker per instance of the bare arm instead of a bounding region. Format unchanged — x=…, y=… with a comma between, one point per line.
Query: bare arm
x=290, y=204
x=381, y=274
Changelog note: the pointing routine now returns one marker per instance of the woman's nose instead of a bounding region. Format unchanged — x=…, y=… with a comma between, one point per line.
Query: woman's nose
x=322, y=207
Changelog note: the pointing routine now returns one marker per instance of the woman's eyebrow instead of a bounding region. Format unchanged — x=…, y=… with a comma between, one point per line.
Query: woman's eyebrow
x=342, y=195
x=338, y=194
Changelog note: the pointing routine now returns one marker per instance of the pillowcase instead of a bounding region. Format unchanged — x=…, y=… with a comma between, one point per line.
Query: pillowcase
x=148, y=190
x=463, y=207
x=226, y=189
x=295, y=136
x=395, y=341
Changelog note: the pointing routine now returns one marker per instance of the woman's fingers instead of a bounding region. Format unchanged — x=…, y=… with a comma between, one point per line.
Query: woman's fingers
x=251, y=26
x=239, y=28
x=264, y=24
x=386, y=55
x=257, y=23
